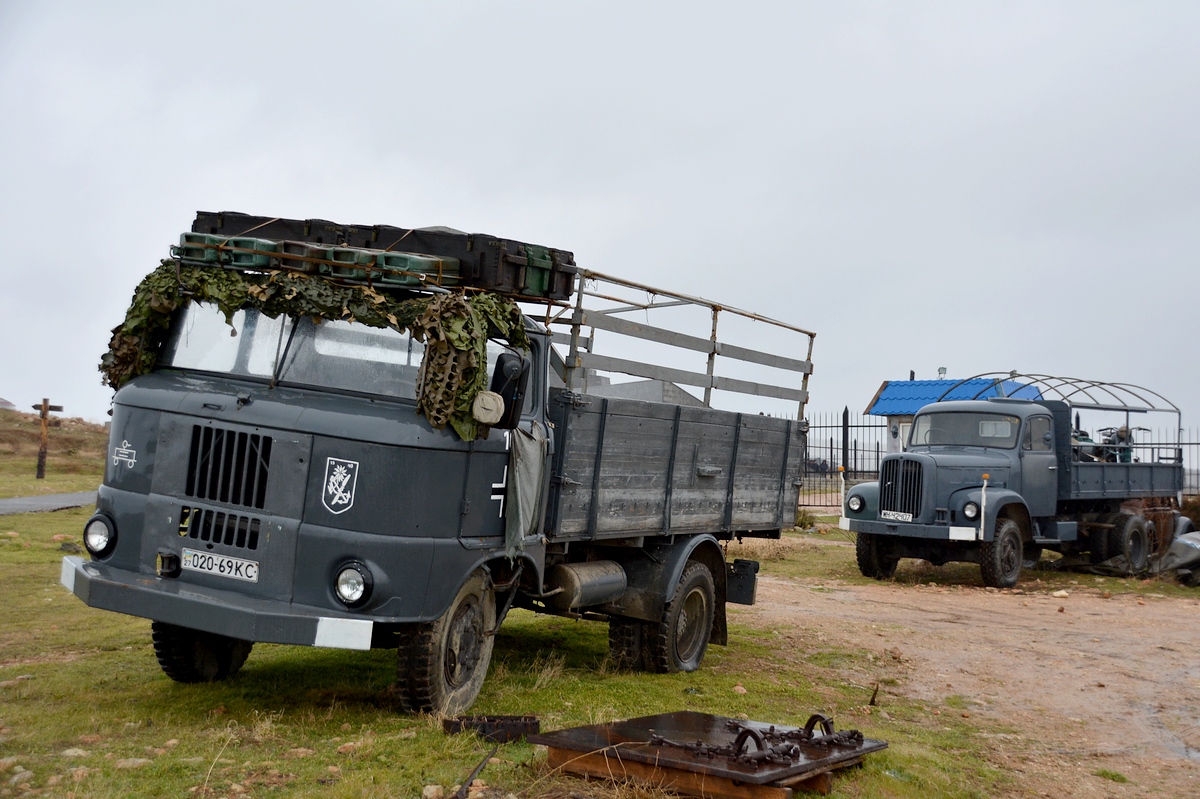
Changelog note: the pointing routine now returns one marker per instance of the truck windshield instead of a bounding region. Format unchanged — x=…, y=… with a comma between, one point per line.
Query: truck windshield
x=328, y=354
x=965, y=430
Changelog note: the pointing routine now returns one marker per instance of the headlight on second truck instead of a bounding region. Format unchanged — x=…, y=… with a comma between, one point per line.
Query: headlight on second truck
x=353, y=584
x=855, y=503
x=971, y=511
x=99, y=536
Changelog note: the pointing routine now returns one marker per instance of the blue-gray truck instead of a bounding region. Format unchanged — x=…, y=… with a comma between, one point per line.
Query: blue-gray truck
x=997, y=481
x=346, y=436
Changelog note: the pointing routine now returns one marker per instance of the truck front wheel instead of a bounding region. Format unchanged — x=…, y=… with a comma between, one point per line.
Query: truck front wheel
x=1000, y=559
x=679, y=641
x=440, y=666
x=187, y=655
x=868, y=550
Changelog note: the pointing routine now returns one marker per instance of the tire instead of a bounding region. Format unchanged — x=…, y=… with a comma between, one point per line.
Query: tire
x=868, y=551
x=187, y=655
x=1098, y=538
x=625, y=643
x=1033, y=554
x=440, y=666
x=679, y=641
x=1000, y=559
x=1130, y=538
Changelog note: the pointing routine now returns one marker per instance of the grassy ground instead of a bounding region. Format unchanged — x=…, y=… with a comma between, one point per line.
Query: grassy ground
x=74, y=457
x=299, y=721
x=800, y=555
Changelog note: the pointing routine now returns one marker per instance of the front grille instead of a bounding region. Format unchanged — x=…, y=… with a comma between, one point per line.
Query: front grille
x=219, y=527
x=229, y=467
x=900, y=486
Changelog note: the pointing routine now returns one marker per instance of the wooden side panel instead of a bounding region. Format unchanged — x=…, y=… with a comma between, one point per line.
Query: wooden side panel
x=703, y=457
x=663, y=468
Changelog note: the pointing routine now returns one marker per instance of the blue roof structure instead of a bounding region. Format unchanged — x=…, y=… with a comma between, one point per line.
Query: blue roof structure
x=906, y=397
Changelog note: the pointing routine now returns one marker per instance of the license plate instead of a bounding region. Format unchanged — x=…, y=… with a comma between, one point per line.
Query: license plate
x=895, y=516
x=222, y=565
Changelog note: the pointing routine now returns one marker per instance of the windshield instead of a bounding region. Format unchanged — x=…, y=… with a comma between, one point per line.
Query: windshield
x=965, y=430
x=328, y=354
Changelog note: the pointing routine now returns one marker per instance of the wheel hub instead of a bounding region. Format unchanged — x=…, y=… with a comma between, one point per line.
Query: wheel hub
x=463, y=643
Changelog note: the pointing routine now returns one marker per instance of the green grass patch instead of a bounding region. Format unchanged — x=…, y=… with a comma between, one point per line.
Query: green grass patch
x=300, y=721
x=1112, y=776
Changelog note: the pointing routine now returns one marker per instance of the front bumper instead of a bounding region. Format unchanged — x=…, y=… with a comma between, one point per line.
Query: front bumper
x=940, y=532
x=211, y=609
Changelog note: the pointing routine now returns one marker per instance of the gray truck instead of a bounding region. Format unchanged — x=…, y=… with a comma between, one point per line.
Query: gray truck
x=278, y=484
x=997, y=481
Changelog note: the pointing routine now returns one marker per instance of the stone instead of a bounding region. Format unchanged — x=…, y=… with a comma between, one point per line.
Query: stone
x=433, y=792
x=133, y=762
x=74, y=752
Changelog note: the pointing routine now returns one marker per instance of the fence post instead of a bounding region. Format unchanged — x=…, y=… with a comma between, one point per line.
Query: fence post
x=846, y=437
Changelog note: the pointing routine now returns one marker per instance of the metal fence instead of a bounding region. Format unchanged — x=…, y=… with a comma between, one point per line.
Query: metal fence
x=859, y=442
x=835, y=439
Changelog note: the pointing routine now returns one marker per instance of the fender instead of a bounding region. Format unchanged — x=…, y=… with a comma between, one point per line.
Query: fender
x=1000, y=502
x=870, y=494
x=654, y=572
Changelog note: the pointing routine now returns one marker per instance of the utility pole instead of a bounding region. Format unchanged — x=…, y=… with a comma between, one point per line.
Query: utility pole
x=45, y=409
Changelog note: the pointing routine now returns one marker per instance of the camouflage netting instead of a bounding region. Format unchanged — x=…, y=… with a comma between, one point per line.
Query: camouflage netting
x=454, y=327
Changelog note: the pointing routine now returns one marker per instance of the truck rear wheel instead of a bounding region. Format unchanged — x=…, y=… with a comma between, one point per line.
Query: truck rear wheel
x=1130, y=538
x=440, y=666
x=1099, y=549
x=1000, y=559
x=625, y=643
x=868, y=551
x=187, y=655
x=679, y=641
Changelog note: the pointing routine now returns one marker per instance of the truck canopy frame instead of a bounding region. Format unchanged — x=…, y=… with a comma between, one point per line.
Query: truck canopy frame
x=623, y=297
x=1083, y=394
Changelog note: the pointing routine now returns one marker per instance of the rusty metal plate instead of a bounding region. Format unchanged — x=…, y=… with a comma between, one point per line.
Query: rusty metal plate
x=743, y=751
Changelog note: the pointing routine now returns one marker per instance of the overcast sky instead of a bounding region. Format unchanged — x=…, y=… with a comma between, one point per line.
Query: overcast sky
x=978, y=186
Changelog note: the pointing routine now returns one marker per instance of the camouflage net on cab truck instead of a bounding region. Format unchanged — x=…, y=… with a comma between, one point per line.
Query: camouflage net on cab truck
x=454, y=327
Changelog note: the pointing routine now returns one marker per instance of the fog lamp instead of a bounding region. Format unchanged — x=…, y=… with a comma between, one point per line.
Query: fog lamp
x=353, y=584
x=99, y=536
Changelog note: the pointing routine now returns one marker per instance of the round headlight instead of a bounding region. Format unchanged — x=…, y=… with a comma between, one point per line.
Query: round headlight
x=353, y=584
x=971, y=510
x=99, y=536
x=855, y=503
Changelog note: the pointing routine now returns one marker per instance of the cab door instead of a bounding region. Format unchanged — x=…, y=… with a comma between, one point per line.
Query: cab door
x=1039, y=466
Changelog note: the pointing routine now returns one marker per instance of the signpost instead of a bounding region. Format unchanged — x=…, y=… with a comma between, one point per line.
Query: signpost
x=45, y=407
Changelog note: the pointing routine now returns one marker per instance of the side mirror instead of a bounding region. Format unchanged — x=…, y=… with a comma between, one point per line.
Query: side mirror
x=510, y=380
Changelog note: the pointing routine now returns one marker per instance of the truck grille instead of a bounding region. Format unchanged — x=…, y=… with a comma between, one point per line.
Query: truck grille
x=900, y=487
x=229, y=467
x=218, y=527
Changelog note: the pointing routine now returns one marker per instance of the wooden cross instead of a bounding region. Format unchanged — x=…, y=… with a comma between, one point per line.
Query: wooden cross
x=45, y=409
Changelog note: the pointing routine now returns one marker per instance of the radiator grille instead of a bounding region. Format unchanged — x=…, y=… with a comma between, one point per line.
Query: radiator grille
x=900, y=486
x=229, y=467
x=219, y=527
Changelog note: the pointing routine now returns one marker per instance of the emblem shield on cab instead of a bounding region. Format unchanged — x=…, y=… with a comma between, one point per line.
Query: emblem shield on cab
x=341, y=476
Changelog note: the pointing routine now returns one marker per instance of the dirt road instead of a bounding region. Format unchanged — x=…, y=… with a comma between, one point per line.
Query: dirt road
x=1090, y=683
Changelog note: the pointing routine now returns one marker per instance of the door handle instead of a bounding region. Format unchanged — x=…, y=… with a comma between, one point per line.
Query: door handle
x=1054, y=468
